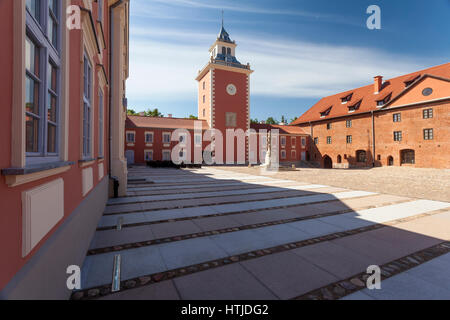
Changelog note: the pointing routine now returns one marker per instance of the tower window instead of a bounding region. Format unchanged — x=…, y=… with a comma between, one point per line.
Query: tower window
x=204, y=99
x=224, y=51
x=204, y=113
x=204, y=85
x=229, y=51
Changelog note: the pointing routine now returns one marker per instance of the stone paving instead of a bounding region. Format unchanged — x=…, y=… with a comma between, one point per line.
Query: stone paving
x=217, y=234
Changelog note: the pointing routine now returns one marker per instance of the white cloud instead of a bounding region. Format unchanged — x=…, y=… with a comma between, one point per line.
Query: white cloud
x=282, y=68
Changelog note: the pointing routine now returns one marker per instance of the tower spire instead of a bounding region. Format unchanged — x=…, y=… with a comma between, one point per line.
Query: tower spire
x=222, y=18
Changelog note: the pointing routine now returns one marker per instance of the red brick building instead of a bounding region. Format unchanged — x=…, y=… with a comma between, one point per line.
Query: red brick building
x=61, y=130
x=404, y=121
x=223, y=104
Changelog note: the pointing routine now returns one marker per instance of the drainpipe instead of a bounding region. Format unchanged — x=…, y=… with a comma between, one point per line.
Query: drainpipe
x=373, y=138
x=111, y=84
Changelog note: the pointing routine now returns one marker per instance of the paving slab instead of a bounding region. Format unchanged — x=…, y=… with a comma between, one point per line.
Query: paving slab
x=173, y=229
x=189, y=252
x=217, y=223
x=337, y=260
x=110, y=238
x=230, y=282
x=287, y=274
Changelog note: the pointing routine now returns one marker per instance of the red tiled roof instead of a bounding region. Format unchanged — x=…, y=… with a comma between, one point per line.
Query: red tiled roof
x=283, y=129
x=163, y=123
x=394, y=86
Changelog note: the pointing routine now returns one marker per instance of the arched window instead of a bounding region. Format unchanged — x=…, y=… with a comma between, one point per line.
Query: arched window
x=339, y=159
x=361, y=156
x=229, y=51
x=224, y=51
x=408, y=156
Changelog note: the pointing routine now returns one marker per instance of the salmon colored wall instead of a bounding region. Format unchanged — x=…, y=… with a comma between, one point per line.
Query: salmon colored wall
x=11, y=198
x=226, y=103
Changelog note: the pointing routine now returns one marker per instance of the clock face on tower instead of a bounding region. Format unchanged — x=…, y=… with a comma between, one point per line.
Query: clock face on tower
x=231, y=89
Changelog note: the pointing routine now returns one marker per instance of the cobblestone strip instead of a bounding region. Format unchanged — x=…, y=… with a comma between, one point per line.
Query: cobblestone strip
x=357, y=282
x=96, y=292
x=240, y=212
x=226, y=230
x=308, y=193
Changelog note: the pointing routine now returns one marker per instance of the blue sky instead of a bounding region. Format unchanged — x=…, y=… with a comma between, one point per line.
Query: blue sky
x=300, y=50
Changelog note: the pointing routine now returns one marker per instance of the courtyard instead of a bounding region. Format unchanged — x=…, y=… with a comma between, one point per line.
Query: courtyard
x=235, y=233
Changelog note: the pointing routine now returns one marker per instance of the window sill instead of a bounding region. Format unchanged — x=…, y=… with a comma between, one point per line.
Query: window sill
x=86, y=162
x=18, y=176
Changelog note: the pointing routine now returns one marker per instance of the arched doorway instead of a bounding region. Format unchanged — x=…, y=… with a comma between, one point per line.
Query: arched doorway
x=327, y=162
x=339, y=159
x=361, y=156
x=390, y=161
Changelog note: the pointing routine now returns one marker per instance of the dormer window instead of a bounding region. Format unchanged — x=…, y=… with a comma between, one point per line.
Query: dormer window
x=347, y=98
x=386, y=99
x=326, y=112
x=410, y=81
x=354, y=107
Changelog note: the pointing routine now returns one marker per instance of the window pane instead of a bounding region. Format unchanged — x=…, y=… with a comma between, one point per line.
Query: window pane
x=52, y=31
x=51, y=139
x=32, y=127
x=33, y=7
x=32, y=57
x=31, y=96
x=51, y=77
x=51, y=116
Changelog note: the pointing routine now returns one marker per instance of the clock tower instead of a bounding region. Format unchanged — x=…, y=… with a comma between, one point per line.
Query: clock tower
x=224, y=88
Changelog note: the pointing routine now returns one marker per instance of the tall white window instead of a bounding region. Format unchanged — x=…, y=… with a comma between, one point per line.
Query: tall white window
x=148, y=155
x=149, y=137
x=42, y=79
x=166, y=137
x=100, y=123
x=130, y=137
x=87, y=109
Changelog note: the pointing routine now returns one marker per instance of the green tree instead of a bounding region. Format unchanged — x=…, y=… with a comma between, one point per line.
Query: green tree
x=271, y=120
x=192, y=117
x=293, y=119
x=153, y=113
x=283, y=119
x=131, y=112
x=254, y=121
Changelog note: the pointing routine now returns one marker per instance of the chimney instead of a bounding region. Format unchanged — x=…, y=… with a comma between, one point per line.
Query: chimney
x=378, y=84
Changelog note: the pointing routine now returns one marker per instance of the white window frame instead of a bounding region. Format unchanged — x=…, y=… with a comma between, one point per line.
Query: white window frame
x=146, y=152
x=149, y=133
x=283, y=141
x=170, y=155
x=165, y=134
x=134, y=136
x=283, y=154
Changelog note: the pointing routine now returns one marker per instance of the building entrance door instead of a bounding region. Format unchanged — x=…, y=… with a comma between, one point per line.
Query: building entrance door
x=129, y=154
x=303, y=156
